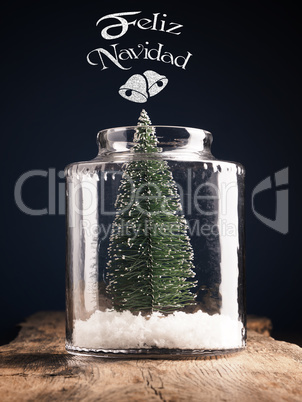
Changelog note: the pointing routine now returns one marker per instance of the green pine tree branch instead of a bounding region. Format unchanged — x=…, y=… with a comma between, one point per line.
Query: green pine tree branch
x=150, y=264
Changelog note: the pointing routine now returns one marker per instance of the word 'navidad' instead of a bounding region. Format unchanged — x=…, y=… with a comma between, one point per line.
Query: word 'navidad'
x=119, y=57
x=142, y=51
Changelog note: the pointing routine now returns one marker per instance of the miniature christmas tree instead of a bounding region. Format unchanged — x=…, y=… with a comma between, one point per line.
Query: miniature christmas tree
x=150, y=256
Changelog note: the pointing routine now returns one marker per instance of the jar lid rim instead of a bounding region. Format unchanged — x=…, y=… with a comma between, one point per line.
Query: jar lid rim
x=133, y=127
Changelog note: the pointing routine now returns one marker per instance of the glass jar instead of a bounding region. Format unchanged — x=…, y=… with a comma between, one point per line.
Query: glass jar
x=155, y=248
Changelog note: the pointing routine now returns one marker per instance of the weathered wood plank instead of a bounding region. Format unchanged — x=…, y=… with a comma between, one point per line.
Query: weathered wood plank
x=35, y=367
x=262, y=325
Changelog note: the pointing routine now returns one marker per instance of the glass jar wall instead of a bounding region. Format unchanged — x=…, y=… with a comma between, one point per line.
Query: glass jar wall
x=155, y=247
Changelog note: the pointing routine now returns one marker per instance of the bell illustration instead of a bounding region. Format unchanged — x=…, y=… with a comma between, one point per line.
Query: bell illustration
x=138, y=88
x=135, y=89
x=156, y=82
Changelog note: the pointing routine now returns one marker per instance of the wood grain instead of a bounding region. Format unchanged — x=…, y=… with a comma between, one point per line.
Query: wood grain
x=263, y=325
x=35, y=367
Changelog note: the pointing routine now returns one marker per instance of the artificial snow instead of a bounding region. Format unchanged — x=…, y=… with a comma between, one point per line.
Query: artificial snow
x=123, y=330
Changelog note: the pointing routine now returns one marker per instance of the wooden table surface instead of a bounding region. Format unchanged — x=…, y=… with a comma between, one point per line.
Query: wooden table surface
x=35, y=367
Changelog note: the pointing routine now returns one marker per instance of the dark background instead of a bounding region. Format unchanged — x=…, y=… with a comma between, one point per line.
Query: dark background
x=242, y=84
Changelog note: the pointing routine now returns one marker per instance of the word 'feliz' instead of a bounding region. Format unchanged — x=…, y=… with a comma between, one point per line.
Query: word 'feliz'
x=117, y=57
x=122, y=24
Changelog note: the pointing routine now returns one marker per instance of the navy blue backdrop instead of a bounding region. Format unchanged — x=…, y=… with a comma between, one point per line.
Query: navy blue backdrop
x=242, y=83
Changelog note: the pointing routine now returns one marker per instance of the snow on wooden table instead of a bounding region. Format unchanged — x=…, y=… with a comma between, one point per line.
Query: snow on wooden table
x=36, y=367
